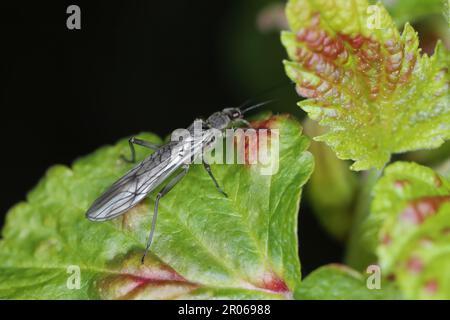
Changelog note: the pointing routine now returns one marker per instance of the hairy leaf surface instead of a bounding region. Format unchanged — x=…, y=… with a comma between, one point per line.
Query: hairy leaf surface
x=366, y=82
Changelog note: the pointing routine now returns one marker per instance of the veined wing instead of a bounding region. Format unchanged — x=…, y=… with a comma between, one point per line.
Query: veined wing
x=134, y=186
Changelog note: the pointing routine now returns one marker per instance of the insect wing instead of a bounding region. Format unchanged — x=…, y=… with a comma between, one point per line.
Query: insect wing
x=134, y=186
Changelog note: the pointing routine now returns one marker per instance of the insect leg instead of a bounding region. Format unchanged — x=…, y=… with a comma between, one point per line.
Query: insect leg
x=208, y=169
x=139, y=142
x=161, y=194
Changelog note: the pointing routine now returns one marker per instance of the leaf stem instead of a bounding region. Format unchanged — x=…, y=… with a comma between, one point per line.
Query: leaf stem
x=357, y=254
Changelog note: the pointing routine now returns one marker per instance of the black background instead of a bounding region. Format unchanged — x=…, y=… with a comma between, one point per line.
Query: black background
x=134, y=66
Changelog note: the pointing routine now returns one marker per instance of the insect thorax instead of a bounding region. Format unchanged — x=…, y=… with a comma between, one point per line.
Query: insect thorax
x=218, y=120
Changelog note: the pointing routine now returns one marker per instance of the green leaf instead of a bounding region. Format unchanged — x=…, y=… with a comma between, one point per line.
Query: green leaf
x=410, y=228
x=205, y=246
x=338, y=282
x=365, y=82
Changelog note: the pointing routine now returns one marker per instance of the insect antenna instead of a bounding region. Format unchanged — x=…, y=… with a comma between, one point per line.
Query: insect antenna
x=246, y=103
x=255, y=106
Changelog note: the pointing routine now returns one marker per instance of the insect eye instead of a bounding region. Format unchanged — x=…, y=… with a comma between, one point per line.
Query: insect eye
x=236, y=114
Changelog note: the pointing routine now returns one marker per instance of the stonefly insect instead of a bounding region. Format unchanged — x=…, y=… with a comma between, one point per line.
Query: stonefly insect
x=154, y=170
